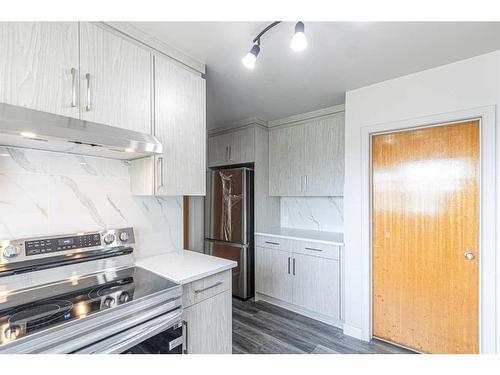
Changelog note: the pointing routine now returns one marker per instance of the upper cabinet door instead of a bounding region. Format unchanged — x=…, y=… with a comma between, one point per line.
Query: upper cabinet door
x=180, y=125
x=218, y=150
x=324, y=157
x=39, y=66
x=286, y=160
x=115, y=83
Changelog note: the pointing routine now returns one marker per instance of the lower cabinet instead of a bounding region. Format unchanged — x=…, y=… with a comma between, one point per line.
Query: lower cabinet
x=316, y=284
x=272, y=273
x=207, y=315
x=308, y=284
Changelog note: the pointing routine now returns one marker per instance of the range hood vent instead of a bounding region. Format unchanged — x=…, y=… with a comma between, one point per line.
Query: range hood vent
x=23, y=127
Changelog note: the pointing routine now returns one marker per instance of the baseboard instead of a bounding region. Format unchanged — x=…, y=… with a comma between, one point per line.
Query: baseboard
x=299, y=310
x=354, y=332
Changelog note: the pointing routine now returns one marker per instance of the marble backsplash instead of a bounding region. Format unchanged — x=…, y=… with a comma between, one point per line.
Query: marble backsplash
x=313, y=213
x=45, y=193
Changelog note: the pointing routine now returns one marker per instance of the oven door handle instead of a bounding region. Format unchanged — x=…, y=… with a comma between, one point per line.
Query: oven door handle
x=131, y=337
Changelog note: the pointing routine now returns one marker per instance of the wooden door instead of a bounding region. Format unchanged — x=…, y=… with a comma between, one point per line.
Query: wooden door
x=39, y=66
x=316, y=284
x=324, y=157
x=119, y=78
x=425, y=217
x=180, y=127
x=273, y=273
x=286, y=161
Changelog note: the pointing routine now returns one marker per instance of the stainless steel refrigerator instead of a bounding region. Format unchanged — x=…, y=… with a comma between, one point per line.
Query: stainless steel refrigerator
x=229, y=224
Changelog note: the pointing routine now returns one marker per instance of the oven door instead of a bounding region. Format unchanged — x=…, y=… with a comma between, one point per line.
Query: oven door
x=161, y=335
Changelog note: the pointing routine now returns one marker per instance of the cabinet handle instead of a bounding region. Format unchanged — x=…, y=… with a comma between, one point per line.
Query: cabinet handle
x=160, y=170
x=208, y=287
x=88, y=107
x=300, y=189
x=230, y=157
x=293, y=266
x=313, y=249
x=289, y=265
x=227, y=153
x=73, y=87
x=185, y=324
x=272, y=243
x=305, y=183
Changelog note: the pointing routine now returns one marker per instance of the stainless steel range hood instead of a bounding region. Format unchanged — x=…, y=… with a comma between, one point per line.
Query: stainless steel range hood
x=22, y=127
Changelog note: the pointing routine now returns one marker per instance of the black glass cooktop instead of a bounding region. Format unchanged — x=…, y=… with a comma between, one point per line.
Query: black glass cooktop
x=75, y=298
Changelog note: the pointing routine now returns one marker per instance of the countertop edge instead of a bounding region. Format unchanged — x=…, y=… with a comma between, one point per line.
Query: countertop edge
x=300, y=238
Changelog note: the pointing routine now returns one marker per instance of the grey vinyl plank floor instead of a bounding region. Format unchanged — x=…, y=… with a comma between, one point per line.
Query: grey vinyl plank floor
x=262, y=328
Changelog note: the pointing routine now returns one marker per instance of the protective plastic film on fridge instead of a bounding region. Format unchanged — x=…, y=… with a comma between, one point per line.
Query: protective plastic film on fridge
x=229, y=224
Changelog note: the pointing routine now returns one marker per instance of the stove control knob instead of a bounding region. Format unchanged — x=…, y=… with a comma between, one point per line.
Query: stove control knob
x=109, y=238
x=109, y=302
x=12, y=332
x=11, y=251
x=124, y=236
x=124, y=297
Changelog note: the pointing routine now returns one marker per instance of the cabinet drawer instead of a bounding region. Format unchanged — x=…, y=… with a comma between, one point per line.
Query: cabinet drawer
x=321, y=250
x=207, y=287
x=273, y=242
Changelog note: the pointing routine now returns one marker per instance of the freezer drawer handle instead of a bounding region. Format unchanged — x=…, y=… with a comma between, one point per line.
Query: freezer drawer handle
x=313, y=249
x=208, y=287
x=272, y=243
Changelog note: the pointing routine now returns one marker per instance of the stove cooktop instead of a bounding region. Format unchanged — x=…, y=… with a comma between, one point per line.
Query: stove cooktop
x=74, y=299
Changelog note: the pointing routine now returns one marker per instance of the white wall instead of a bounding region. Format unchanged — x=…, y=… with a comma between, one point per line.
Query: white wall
x=313, y=213
x=459, y=86
x=46, y=193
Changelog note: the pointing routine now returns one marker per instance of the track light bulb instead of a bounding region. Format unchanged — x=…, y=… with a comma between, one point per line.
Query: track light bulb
x=299, y=41
x=251, y=57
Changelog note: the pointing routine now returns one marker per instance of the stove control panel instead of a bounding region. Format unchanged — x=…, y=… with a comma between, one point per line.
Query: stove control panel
x=43, y=247
x=50, y=245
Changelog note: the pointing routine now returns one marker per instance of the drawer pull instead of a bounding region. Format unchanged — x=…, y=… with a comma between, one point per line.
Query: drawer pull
x=272, y=243
x=208, y=287
x=313, y=249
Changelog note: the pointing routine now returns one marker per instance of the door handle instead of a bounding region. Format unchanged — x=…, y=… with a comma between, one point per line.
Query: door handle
x=73, y=87
x=208, y=287
x=160, y=170
x=88, y=107
x=185, y=324
x=469, y=255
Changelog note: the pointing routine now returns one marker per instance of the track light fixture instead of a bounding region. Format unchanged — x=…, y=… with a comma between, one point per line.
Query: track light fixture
x=298, y=43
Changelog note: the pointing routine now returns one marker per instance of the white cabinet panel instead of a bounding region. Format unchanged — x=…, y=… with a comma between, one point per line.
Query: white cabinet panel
x=180, y=127
x=218, y=150
x=307, y=159
x=119, y=78
x=316, y=284
x=273, y=273
x=324, y=157
x=237, y=147
x=36, y=62
x=209, y=326
x=286, y=160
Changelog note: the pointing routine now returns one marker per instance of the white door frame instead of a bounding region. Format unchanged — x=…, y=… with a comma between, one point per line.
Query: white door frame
x=489, y=263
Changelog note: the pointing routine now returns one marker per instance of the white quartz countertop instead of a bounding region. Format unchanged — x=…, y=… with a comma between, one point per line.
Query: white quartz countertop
x=185, y=266
x=333, y=238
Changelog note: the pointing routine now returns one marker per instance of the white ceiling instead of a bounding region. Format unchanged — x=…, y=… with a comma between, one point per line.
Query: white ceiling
x=340, y=56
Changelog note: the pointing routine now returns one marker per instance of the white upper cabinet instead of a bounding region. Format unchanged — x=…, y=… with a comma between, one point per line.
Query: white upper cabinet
x=39, y=66
x=236, y=147
x=115, y=85
x=324, y=157
x=180, y=125
x=308, y=159
x=286, y=161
